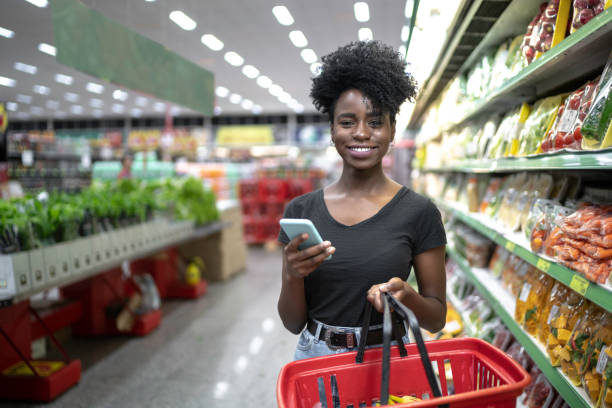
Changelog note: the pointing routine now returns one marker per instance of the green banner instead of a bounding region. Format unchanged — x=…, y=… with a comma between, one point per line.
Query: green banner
x=90, y=42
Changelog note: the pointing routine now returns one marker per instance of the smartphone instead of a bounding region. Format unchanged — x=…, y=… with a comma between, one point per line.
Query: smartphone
x=297, y=226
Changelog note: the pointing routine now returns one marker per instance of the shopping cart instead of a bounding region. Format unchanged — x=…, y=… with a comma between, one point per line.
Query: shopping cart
x=462, y=372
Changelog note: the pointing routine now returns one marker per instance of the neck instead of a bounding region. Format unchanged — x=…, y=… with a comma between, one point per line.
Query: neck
x=364, y=182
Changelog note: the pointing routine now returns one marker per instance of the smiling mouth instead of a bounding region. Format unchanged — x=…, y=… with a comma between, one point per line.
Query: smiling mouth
x=361, y=148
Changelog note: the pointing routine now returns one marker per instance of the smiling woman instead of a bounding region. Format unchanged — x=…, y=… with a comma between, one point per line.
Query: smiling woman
x=376, y=229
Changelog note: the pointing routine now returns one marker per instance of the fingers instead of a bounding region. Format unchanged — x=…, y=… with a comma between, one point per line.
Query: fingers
x=375, y=298
x=394, y=285
x=303, y=263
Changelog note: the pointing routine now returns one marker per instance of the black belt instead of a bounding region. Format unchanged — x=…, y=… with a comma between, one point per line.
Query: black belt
x=338, y=338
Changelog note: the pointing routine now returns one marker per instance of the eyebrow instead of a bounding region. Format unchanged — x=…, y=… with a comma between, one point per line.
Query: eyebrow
x=352, y=115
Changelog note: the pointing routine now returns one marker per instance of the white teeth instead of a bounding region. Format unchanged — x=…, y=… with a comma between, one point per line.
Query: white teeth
x=361, y=149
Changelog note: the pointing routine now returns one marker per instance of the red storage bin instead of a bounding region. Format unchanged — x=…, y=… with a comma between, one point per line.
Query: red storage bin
x=298, y=187
x=273, y=209
x=250, y=206
x=272, y=189
x=270, y=228
x=253, y=230
x=248, y=189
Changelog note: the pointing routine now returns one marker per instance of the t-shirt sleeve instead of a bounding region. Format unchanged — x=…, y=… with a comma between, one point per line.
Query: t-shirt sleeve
x=290, y=212
x=431, y=230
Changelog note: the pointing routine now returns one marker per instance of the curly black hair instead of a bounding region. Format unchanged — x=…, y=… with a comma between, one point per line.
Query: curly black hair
x=377, y=70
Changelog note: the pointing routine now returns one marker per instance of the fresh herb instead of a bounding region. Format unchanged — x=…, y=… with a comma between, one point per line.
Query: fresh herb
x=530, y=313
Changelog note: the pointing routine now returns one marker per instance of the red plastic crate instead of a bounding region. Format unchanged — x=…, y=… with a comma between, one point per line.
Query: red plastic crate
x=248, y=189
x=270, y=229
x=45, y=389
x=298, y=187
x=250, y=206
x=273, y=209
x=272, y=189
x=253, y=231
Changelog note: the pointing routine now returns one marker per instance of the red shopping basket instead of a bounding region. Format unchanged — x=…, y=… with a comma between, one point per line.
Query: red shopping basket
x=463, y=372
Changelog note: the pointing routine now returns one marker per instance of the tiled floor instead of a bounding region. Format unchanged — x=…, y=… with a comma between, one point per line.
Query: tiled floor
x=223, y=350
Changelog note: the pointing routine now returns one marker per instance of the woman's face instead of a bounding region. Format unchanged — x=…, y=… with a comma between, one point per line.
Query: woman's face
x=361, y=132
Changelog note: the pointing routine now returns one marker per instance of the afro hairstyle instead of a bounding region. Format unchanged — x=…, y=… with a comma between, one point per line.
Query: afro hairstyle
x=375, y=69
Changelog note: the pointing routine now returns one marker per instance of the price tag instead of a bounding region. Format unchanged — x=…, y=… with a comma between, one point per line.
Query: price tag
x=579, y=284
x=543, y=265
x=525, y=292
x=510, y=246
x=27, y=158
x=602, y=361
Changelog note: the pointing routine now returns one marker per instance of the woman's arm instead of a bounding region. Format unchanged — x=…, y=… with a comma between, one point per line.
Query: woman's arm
x=429, y=303
x=296, y=266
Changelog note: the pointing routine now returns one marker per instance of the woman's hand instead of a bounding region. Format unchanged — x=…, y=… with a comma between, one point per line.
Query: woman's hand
x=302, y=263
x=398, y=288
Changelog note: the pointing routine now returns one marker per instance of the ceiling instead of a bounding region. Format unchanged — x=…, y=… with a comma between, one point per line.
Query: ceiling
x=248, y=28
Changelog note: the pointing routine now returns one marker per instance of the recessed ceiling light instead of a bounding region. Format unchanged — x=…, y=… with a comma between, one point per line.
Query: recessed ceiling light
x=38, y=3
x=362, y=11
x=408, y=9
x=120, y=95
x=182, y=20
x=212, y=42
x=53, y=105
x=97, y=113
x=76, y=109
x=315, y=68
x=308, y=55
x=7, y=81
x=175, y=110
x=23, y=98
x=298, y=38
x=298, y=108
x=264, y=81
x=96, y=103
x=136, y=112
x=28, y=69
x=250, y=71
x=36, y=110
x=235, y=98
x=47, y=49
x=233, y=58
x=63, y=79
x=5, y=32
x=247, y=104
x=283, y=16
x=71, y=97
x=94, y=88
x=275, y=90
x=141, y=101
x=365, y=34
x=22, y=115
x=118, y=108
x=149, y=1
x=60, y=114
x=12, y=106
x=218, y=110
x=159, y=106
x=284, y=97
x=41, y=89
x=256, y=109
x=405, y=33
x=221, y=91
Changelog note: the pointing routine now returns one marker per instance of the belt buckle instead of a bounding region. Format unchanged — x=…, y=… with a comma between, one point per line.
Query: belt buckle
x=349, y=338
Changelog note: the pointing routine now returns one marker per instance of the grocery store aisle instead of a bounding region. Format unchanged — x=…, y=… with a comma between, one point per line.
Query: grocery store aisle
x=223, y=350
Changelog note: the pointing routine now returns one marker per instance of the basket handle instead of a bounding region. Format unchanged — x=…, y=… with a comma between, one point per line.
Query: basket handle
x=408, y=316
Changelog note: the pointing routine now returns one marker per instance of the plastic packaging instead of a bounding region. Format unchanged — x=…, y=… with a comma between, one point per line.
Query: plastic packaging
x=584, y=11
x=562, y=323
x=542, y=394
x=597, y=120
x=564, y=121
x=472, y=193
x=538, y=123
x=539, y=223
x=526, y=293
x=594, y=359
x=558, y=294
x=532, y=35
x=605, y=397
x=536, y=302
x=502, y=339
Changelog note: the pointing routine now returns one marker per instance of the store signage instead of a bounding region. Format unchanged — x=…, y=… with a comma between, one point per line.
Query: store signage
x=245, y=135
x=92, y=43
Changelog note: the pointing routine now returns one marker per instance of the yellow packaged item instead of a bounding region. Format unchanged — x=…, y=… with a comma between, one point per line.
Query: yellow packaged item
x=604, y=364
x=562, y=322
x=558, y=294
x=528, y=286
x=593, y=362
x=535, y=302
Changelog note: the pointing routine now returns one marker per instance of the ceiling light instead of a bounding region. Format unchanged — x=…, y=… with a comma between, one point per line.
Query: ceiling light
x=117, y=108
x=275, y=90
x=71, y=97
x=182, y=20
x=365, y=34
x=308, y=55
x=120, y=95
x=94, y=88
x=298, y=38
x=256, y=109
x=408, y=9
x=96, y=103
x=264, y=81
x=405, y=33
x=53, y=105
x=36, y=110
x=5, y=32
x=233, y=59
x=235, y=98
x=136, y=112
x=212, y=42
x=221, y=91
x=24, y=98
x=7, y=81
x=28, y=69
x=362, y=12
x=76, y=109
x=315, y=68
x=218, y=110
x=283, y=15
x=141, y=101
x=40, y=89
x=47, y=49
x=60, y=114
x=159, y=106
x=22, y=115
x=149, y=1
x=97, y=113
x=38, y=3
x=175, y=110
x=250, y=71
x=63, y=79
x=298, y=108
x=247, y=104
x=12, y=106
x=284, y=97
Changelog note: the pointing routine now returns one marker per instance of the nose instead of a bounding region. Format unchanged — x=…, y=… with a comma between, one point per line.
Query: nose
x=361, y=131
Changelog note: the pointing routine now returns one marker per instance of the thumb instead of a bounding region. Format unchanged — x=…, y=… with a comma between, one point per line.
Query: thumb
x=393, y=285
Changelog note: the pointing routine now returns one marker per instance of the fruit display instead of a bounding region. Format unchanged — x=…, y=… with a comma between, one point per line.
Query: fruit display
x=584, y=11
x=532, y=35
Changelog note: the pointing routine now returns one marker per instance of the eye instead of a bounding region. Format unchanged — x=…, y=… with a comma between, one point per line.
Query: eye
x=346, y=123
x=376, y=123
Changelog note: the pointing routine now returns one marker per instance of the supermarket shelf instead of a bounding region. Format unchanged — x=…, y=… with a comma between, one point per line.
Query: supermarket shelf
x=467, y=324
x=564, y=160
x=47, y=156
x=518, y=245
x=152, y=249
x=503, y=304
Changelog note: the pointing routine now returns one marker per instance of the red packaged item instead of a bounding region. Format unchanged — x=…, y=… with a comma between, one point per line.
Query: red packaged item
x=546, y=26
x=542, y=394
x=531, y=36
x=585, y=11
x=502, y=339
x=534, y=373
x=560, y=135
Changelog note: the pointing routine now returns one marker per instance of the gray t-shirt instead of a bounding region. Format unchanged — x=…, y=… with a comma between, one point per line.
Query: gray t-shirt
x=368, y=253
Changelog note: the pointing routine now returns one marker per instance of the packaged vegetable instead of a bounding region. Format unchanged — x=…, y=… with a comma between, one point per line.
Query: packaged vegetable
x=533, y=373
x=531, y=36
x=542, y=186
x=591, y=371
x=497, y=144
x=540, y=223
x=575, y=137
x=536, y=302
x=499, y=259
x=488, y=131
x=538, y=124
x=562, y=323
x=502, y=339
x=515, y=61
x=605, y=367
x=563, y=123
x=525, y=294
x=542, y=393
x=552, y=25
x=597, y=120
x=584, y=11
x=575, y=350
x=512, y=142
x=550, y=309
x=493, y=189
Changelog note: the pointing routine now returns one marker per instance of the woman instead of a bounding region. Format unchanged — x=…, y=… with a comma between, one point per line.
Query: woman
x=375, y=228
